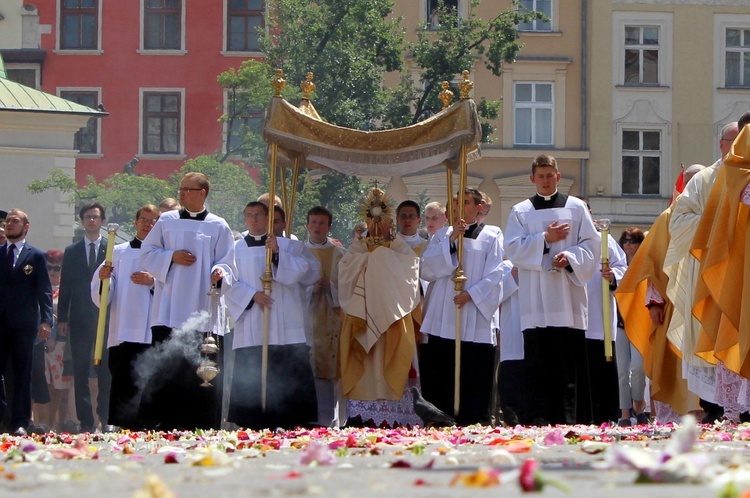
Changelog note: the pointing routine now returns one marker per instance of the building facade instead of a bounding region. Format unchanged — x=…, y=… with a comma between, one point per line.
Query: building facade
x=543, y=111
x=152, y=64
x=666, y=76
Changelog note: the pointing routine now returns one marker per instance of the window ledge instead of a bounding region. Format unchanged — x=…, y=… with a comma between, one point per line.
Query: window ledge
x=163, y=157
x=542, y=34
x=733, y=89
x=75, y=51
x=236, y=53
x=92, y=155
x=144, y=51
x=643, y=88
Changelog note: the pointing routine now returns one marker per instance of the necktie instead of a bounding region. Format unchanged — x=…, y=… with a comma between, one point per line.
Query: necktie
x=92, y=257
x=11, y=255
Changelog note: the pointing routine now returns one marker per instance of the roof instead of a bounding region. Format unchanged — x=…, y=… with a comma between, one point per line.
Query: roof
x=17, y=97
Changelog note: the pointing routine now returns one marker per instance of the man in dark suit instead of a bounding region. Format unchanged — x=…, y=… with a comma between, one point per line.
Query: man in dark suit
x=78, y=315
x=25, y=313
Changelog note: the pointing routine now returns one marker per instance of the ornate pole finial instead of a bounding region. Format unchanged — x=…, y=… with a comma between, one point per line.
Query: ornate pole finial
x=446, y=95
x=278, y=83
x=307, y=86
x=466, y=85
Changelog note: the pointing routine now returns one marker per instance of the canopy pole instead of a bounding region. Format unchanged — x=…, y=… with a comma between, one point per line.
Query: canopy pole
x=292, y=197
x=459, y=279
x=284, y=199
x=267, y=279
x=449, y=202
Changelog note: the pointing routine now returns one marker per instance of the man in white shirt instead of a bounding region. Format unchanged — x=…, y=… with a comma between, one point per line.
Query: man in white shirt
x=130, y=293
x=551, y=239
x=180, y=252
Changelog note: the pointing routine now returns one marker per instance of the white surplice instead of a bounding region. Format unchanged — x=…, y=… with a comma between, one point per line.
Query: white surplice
x=511, y=335
x=683, y=271
x=130, y=303
x=296, y=270
x=619, y=264
x=482, y=259
x=552, y=298
x=182, y=290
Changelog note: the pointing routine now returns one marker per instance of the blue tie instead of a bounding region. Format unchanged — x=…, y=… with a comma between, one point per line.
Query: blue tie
x=11, y=255
x=92, y=257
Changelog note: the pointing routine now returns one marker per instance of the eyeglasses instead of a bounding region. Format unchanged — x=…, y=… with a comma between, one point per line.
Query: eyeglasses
x=92, y=217
x=148, y=221
x=630, y=241
x=188, y=189
x=727, y=139
x=54, y=267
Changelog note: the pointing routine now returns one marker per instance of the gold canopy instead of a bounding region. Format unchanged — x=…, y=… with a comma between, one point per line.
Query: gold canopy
x=299, y=131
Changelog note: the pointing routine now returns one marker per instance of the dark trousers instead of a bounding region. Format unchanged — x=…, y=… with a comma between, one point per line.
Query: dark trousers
x=124, y=398
x=18, y=346
x=557, y=382
x=437, y=360
x=173, y=397
x=512, y=387
x=290, y=390
x=81, y=341
x=605, y=399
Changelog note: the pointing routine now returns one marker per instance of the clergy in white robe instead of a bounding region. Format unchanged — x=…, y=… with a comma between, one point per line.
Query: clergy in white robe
x=290, y=395
x=552, y=240
x=512, y=373
x=325, y=318
x=603, y=373
x=130, y=296
x=180, y=252
x=482, y=259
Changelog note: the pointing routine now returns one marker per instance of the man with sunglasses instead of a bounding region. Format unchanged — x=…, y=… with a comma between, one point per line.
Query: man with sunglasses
x=131, y=288
x=181, y=252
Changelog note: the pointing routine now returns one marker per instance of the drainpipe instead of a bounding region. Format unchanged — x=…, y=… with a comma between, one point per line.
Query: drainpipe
x=584, y=91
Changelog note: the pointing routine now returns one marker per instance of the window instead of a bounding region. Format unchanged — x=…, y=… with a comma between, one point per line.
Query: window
x=28, y=77
x=161, y=122
x=641, y=55
x=737, y=58
x=86, y=139
x=244, y=18
x=543, y=6
x=532, y=113
x=641, y=162
x=79, y=21
x=162, y=25
x=433, y=14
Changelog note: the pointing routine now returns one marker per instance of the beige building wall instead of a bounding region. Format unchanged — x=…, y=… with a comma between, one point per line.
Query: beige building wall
x=687, y=106
x=550, y=57
x=31, y=145
x=10, y=26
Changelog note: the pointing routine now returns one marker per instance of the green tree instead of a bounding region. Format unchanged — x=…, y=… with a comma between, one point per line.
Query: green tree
x=121, y=194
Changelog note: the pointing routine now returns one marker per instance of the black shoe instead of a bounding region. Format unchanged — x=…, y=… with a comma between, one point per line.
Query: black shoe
x=86, y=429
x=541, y=422
x=110, y=428
x=69, y=426
x=20, y=432
x=37, y=429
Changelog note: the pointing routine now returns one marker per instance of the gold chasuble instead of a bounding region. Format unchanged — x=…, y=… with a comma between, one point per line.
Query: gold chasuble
x=325, y=316
x=661, y=360
x=378, y=290
x=721, y=244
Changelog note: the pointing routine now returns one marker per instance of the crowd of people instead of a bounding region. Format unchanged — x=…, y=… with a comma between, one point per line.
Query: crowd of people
x=487, y=326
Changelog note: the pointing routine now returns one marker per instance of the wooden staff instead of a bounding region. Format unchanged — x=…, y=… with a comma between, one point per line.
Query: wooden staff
x=104, y=297
x=606, y=305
